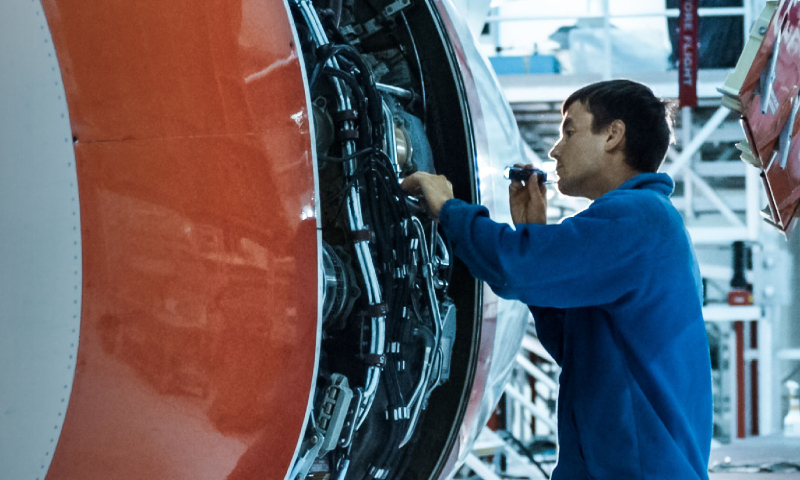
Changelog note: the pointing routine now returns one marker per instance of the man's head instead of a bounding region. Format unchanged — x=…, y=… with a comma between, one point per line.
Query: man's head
x=610, y=131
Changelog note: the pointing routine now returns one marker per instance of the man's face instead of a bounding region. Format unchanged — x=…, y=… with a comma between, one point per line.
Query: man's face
x=578, y=153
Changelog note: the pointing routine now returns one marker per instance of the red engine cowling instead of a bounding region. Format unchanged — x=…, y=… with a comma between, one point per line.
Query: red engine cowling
x=187, y=286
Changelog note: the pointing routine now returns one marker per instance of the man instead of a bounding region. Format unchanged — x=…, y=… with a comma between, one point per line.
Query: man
x=615, y=290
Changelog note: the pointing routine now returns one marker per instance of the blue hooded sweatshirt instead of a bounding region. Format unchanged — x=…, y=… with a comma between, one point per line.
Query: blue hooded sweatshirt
x=615, y=292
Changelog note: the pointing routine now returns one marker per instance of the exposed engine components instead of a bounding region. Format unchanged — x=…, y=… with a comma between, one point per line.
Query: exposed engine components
x=323, y=125
x=389, y=325
x=339, y=289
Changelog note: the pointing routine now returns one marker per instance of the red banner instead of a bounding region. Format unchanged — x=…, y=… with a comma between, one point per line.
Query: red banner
x=687, y=45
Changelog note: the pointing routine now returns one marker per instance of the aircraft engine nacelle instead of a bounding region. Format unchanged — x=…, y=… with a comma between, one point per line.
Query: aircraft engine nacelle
x=207, y=267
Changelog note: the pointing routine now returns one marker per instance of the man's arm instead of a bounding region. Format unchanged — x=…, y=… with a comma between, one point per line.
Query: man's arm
x=585, y=260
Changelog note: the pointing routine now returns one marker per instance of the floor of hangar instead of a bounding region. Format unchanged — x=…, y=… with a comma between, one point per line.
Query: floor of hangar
x=741, y=459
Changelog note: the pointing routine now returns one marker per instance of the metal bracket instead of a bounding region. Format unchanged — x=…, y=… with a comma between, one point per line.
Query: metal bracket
x=311, y=446
x=767, y=82
x=376, y=24
x=333, y=412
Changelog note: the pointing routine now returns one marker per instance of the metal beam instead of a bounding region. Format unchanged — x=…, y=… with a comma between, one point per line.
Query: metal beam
x=538, y=412
x=669, y=13
x=717, y=235
x=533, y=345
x=480, y=468
x=536, y=372
x=752, y=182
x=710, y=194
x=686, y=138
x=698, y=141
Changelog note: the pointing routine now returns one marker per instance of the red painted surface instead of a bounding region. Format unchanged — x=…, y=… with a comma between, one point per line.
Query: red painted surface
x=763, y=129
x=198, y=329
x=754, y=380
x=738, y=328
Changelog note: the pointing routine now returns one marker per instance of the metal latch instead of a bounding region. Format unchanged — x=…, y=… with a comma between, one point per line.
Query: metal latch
x=333, y=412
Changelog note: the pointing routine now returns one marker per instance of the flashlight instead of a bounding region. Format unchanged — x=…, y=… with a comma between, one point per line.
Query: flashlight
x=523, y=174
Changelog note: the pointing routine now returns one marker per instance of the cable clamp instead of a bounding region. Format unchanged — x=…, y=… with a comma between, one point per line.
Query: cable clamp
x=375, y=360
x=363, y=235
x=345, y=115
x=348, y=134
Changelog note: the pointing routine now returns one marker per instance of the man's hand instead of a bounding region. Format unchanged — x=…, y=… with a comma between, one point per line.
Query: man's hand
x=434, y=189
x=528, y=201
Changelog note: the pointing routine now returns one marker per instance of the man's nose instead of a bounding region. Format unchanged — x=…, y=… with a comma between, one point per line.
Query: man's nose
x=555, y=152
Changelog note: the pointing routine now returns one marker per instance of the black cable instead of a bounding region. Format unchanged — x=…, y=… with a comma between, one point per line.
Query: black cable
x=347, y=158
x=357, y=93
x=374, y=101
x=419, y=70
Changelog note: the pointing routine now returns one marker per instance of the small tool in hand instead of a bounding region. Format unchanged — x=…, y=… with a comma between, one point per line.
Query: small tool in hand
x=523, y=174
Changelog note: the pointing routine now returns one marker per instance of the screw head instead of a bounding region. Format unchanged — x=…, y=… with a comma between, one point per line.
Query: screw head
x=762, y=30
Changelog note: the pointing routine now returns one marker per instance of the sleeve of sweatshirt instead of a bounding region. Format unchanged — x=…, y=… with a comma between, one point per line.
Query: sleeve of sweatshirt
x=588, y=259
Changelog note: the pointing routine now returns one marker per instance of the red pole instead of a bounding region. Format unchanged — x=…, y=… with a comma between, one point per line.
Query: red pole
x=754, y=380
x=738, y=328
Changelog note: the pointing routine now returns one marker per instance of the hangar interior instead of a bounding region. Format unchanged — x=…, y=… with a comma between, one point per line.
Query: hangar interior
x=540, y=56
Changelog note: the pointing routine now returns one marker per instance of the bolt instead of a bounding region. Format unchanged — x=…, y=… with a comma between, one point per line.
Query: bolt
x=314, y=439
x=762, y=30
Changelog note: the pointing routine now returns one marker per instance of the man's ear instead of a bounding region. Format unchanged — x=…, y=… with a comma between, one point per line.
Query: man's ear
x=615, y=138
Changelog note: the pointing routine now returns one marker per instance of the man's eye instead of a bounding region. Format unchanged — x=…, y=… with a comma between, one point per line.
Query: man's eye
x=568, y=133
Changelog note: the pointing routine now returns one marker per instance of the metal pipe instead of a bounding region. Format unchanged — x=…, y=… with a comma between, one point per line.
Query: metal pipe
x=445, y=260
x=389, y=138
x=417, y=397
x=396, y=91
x=669, y=13
x=429, y=274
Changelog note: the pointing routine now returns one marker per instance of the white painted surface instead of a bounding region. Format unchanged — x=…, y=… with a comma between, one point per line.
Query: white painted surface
x=40, y=244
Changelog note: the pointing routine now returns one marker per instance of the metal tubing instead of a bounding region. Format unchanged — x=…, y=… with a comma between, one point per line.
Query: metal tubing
x=428, y=266
x=396, y=91
x=389, y=138
x=356, y=223
x=418, y=397
x=429, y=274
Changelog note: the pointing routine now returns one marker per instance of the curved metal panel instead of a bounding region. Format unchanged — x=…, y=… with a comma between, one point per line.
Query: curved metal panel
x=40, y=245
x=199, y=318
x=498, y=144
